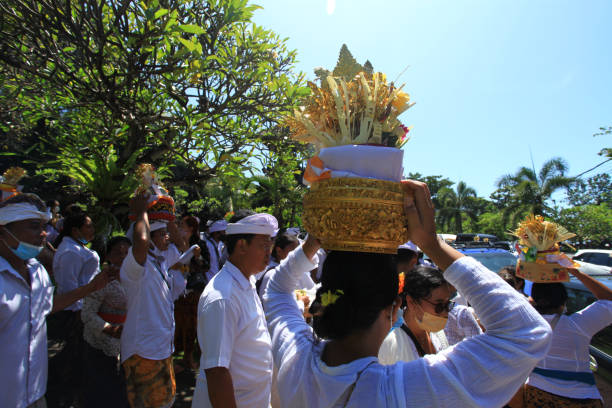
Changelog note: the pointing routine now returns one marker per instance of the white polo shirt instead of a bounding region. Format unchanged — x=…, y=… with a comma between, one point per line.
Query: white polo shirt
x=232, y=333
x=73, y=266
x=23, y=334
x=149, y=326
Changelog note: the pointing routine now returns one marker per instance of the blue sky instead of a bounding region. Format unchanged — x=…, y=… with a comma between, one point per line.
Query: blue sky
x=492, y=79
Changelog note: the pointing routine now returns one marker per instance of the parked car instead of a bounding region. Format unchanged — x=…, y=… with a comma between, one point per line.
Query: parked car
x=594, y=261
x=491, y=257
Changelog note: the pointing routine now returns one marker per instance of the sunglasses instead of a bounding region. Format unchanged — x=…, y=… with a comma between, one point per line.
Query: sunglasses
x=441, y=307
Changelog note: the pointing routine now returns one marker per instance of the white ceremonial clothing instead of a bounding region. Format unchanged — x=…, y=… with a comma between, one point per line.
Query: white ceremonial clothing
x=570, y=350
x=23, y=334
x=465, y=375
x=148, y=330
x=215, y=249
x=74, y=265
x=171, y=257
x=461, y=324
x=232, y=333
x=304, y=282
x=398, y=346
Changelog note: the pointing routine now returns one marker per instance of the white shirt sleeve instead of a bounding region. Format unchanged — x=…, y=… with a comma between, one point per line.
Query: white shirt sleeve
x=130, y=268
x=66, y=271
x=90, y=268
x=285, y=320
x=179, y=283
x=217, y=329
x=594, y=317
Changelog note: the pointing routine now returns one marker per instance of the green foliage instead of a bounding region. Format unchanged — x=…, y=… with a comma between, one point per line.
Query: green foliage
x=453, y=205
x=527, y=192
x=588, y=222
x=607, y=151
x=594, y=190
x=180, y=84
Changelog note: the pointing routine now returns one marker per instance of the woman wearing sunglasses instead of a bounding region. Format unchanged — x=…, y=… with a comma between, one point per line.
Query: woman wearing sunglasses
x=426, y=302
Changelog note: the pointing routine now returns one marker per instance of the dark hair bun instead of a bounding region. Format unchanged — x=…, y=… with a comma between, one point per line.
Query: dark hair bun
x=365, y=284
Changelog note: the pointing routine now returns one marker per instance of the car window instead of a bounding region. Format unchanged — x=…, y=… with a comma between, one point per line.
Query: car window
x=494, y=261
x=578, y=299
x=600, y=258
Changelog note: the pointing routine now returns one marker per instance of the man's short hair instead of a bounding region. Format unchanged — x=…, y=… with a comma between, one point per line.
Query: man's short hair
x=232, y=240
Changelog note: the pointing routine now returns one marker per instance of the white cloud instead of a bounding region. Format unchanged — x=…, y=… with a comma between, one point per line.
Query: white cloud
x=331, y=6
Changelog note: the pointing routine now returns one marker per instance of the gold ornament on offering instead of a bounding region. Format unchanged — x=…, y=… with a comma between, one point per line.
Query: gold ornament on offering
x=353, y=106
x=356, y=214
x=540, y=258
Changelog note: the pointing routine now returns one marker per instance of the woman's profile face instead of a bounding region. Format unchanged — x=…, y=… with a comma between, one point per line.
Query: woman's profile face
x=437, y=304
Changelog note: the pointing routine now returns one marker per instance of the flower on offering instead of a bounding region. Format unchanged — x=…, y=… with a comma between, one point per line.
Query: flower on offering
x=401, y=277
x=329, y=297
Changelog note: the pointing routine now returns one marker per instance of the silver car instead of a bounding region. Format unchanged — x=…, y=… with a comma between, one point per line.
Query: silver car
x=594, y=261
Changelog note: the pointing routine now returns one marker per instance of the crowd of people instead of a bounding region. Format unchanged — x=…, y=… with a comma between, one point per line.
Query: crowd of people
x=269, y=318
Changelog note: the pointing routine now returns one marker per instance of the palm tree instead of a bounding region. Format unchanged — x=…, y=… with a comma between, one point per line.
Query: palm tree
x=453, y=204
x=528, y=192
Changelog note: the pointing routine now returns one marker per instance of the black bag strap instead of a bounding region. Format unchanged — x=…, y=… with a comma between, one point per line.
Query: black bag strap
x=414, y=340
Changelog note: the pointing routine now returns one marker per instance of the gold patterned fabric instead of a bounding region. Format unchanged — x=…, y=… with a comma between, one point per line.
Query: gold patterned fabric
x=537, y=398
x=150, y=383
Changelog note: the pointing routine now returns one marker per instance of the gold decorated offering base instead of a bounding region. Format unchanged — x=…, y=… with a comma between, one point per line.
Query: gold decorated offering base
x=356, y=214
x=542, y=272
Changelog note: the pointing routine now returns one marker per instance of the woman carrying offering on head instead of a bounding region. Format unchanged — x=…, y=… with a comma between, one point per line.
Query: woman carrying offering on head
x=334, y=363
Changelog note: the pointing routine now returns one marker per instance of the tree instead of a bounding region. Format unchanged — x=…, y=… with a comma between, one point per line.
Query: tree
x=527, y=192
x=595, y=190
x=171, y=82
x=454, y=204
x=434, y=183
x=588, y=222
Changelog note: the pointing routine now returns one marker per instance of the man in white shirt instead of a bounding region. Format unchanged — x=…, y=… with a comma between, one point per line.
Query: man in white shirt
x=148, y=332
x=216, y=248
x=236, y=362
x=26, y=299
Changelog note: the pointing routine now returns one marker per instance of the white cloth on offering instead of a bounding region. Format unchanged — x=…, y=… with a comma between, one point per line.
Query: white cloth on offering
x=363, y=161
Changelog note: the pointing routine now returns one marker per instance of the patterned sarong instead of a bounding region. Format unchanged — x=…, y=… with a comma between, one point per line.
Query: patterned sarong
x=536, y=398
x=150, y=383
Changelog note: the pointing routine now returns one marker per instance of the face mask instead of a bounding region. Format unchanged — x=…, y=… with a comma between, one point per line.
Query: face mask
x=24, y=250
x=83, y=241
x=431, y=322
x=56, y=209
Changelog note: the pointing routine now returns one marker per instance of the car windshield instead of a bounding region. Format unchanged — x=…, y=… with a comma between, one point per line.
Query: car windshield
x=494, y=261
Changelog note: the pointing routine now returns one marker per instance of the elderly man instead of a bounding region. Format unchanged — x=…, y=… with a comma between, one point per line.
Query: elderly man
x=236, y=363
x=26, y=298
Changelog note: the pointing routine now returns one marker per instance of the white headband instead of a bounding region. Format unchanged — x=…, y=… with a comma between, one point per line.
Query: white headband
x=220, y=225
x=264, y=224
x=22, y=211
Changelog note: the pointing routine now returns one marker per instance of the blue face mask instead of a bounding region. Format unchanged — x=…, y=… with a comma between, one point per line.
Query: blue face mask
x=24, y=250
x=83, y=241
